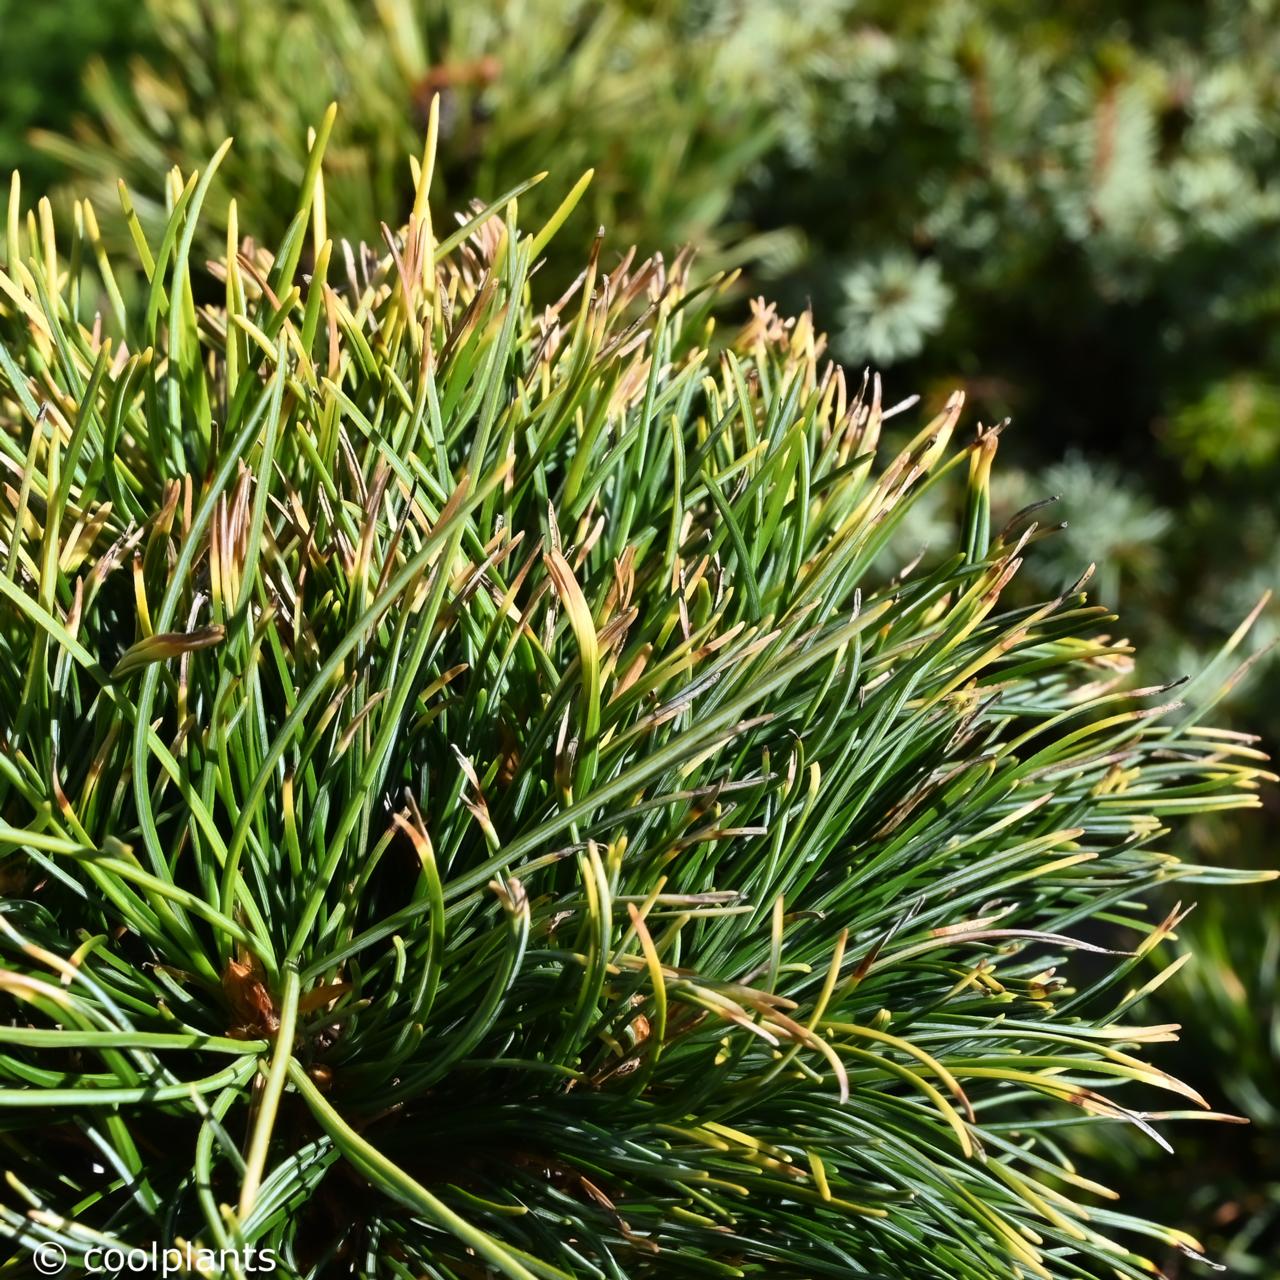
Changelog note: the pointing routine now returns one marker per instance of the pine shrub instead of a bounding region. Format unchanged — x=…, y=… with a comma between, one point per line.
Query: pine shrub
x=671, y=103
x=476, y=800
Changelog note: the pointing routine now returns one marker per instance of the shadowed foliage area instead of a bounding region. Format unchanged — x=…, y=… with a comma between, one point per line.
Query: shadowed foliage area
x=43, y=52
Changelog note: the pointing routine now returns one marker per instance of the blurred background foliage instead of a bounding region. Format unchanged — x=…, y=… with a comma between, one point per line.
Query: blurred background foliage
x=669, y=103
x=1069, y=208
x=43, y=51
